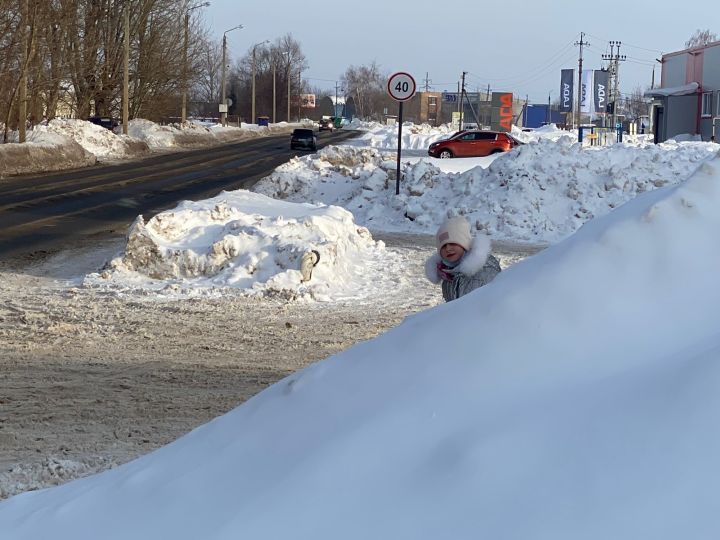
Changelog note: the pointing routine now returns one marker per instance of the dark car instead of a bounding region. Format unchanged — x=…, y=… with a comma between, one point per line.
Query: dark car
x=103, y=121
x=327, y=124
x=303, y=138
x=473, y=143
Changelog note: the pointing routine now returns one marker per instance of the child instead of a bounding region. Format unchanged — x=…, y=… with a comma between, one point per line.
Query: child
x=463, y=263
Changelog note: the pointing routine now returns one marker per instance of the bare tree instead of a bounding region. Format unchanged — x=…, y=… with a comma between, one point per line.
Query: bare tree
x=700, y=38
x=366, y=85
x=286, y=58
x=636, y=104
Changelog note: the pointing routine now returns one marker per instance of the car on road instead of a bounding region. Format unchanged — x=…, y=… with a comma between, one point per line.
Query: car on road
x=303, y=138
x=473, y=143
x=327, y=124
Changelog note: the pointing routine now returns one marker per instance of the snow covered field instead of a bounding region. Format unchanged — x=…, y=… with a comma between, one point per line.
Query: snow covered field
x=577, y=390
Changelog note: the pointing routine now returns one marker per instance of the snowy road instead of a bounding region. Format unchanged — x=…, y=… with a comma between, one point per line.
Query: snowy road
x=48, y=211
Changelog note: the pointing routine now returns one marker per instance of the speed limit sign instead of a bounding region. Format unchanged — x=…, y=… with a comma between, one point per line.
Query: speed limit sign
x=401, y=86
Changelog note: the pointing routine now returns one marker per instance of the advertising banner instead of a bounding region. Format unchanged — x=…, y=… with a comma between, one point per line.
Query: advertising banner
x=566, y=90
x=587, y=103
x=601, y=90
x=307, y=101
x=501, y=114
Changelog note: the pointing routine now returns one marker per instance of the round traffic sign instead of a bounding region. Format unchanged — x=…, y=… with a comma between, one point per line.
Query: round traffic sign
x=401, y=86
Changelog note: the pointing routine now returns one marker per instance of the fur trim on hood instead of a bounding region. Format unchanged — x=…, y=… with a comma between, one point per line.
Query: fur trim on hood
x=471, y=263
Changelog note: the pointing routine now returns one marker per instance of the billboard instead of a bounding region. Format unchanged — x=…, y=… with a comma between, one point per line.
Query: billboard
x=307, y=101
x=501, y=115
x=601, y=90
x=566, y=90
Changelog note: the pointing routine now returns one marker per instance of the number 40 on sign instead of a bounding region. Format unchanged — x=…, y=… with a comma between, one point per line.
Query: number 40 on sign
x=401, y=87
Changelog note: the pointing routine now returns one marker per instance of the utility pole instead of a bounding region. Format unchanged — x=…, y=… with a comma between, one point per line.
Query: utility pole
x=274, y=90
x=183, y=114
x=462, y=95
x=288, y=92
x=126, y=72
x=582, y=43
x=614, y=58
x=223, y=112
x=253, y=119
x=24, y=64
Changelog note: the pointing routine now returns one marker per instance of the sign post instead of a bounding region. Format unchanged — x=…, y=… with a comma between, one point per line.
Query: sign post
x=401, y=87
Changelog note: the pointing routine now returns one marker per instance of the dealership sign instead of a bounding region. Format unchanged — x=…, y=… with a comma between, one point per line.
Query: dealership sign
x=566, y=90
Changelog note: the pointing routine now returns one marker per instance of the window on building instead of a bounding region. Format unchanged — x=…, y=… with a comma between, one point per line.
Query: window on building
x=707, y=104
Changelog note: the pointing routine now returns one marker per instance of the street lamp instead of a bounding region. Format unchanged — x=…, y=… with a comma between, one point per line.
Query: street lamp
x=223, y=105
x=252, y=120
x=183, y=116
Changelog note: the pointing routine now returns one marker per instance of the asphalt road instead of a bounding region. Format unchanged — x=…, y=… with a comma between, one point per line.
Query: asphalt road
x=45, y=213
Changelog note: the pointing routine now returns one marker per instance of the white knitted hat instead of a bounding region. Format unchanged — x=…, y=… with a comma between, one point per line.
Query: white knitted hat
x=454, y=231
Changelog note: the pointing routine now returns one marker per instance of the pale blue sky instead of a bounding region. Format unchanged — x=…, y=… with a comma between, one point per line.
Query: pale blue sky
x=513, y=46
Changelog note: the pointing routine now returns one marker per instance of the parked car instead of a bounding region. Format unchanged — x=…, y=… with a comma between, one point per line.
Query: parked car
x=327, y=124
x=103, y=121
x=303, y=138
x=473, y=143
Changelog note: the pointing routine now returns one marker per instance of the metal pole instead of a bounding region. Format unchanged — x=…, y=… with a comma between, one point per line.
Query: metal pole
x=126, y=74
x=400, y=123
x=462, y=104
x=22, y=92
x=274, y=91
x=223, y=115
x=183, y=114
x=252, y=118
x=288, y=92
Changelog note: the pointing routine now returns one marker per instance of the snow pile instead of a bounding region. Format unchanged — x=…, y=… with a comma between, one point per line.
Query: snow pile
x=252, y=243
x=97, y=140
x=44, y=151
x=415, y=136
x=573, y=397
x=539, y=192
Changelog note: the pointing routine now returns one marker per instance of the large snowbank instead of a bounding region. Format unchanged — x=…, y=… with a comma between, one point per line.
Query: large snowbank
x=44, y=151
x=573, y=397
x=97, y=140
x=253, y=244
x=539, y=192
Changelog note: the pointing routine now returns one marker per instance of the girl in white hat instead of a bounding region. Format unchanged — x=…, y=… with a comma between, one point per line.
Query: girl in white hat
x=462, y=263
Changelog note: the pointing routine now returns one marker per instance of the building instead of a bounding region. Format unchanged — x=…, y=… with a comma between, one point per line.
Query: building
x=688, y=100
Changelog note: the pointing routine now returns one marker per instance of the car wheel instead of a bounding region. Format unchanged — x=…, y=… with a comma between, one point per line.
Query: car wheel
x=497, y=151
x=446, y=154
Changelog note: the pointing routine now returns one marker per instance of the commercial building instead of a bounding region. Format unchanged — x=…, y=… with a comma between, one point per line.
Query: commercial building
x=688, y=100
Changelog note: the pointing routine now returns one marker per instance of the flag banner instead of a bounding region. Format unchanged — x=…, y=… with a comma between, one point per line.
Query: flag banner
x=566, y=90
x=601, y=90
x=501, y=112
x=587, y=104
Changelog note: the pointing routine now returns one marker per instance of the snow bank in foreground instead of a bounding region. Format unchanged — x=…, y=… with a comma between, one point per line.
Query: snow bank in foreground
x=251, y=243
x=573, y=397
x=539, y=192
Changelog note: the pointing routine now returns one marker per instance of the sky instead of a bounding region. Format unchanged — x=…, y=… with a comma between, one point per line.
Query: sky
x=575, y=396
x=519, y=49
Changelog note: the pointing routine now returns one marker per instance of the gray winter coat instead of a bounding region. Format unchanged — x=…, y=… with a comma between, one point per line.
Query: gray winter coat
x=477, y=268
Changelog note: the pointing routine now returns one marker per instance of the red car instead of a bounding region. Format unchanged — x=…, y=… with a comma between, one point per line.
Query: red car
x=473, y=143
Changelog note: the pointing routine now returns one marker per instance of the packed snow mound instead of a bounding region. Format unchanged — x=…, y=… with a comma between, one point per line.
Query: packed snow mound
x=414, y=136
x=573, y=397
x=539, y=192
x=44, y=151
x=97, y=140
x=248, y=242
